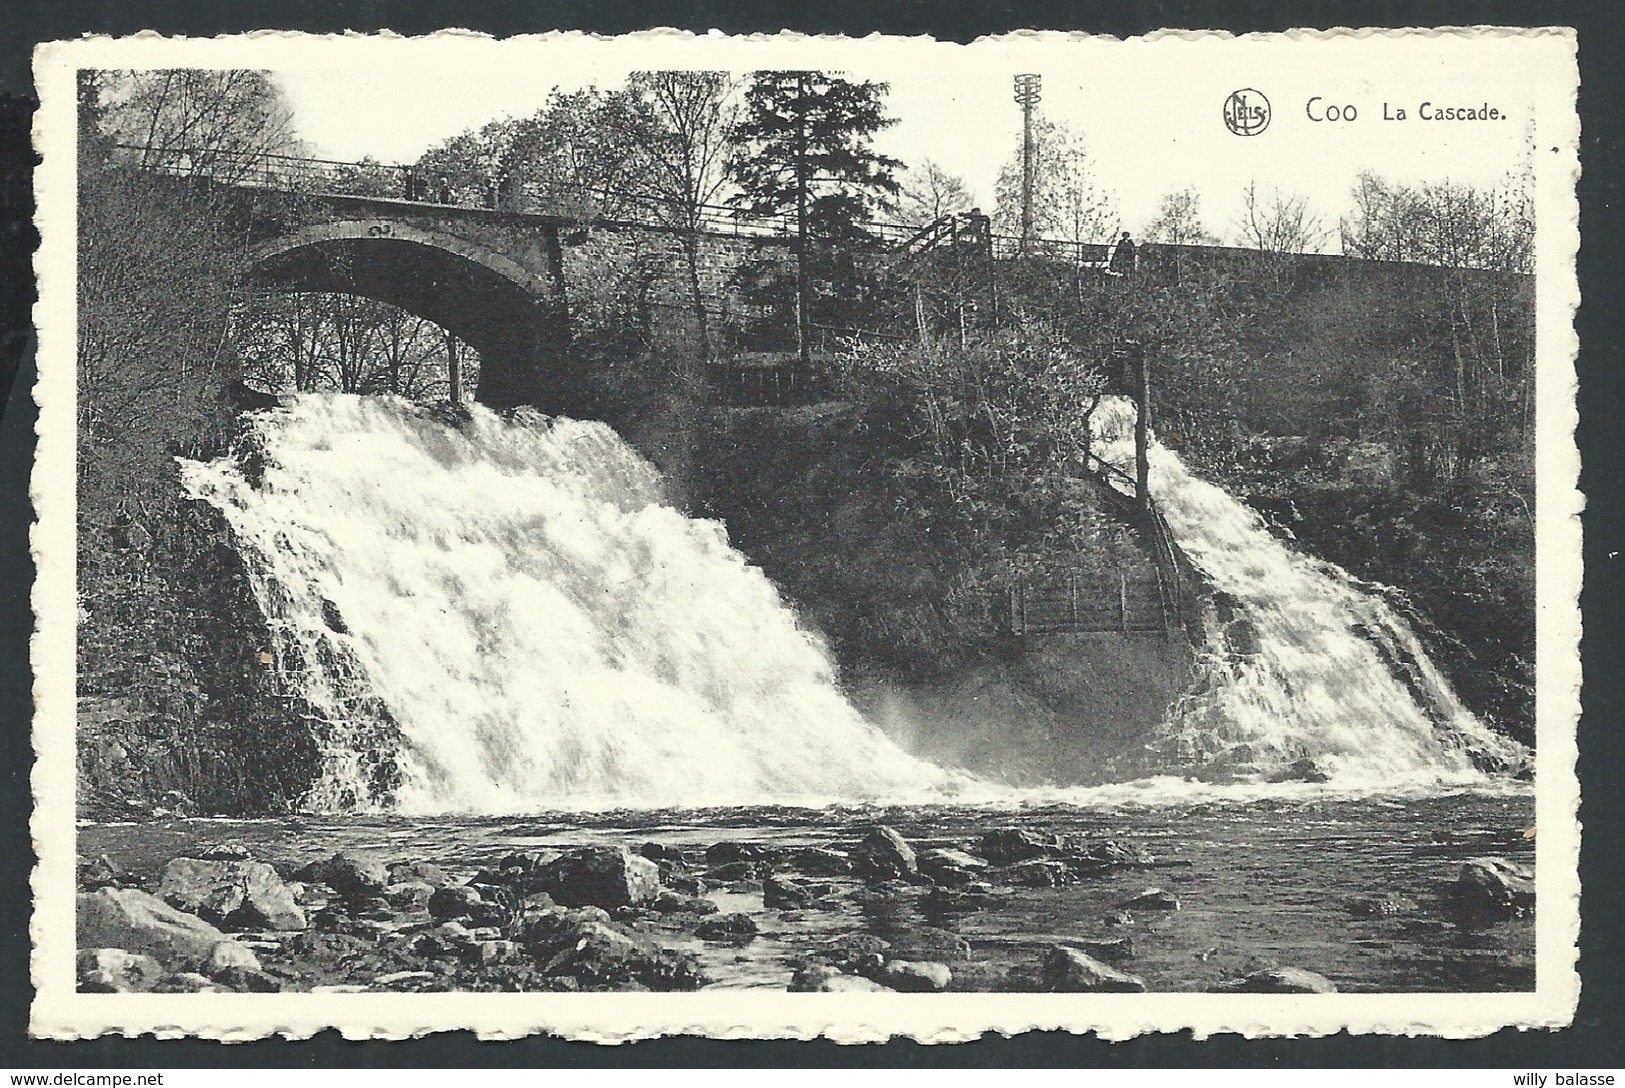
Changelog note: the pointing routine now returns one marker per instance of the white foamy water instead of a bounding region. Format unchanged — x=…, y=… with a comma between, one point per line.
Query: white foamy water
x=542, y=631
x=505, y=617
x=1301, y=660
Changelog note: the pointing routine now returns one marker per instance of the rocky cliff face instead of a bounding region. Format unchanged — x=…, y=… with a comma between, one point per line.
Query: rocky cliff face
x=178, y=711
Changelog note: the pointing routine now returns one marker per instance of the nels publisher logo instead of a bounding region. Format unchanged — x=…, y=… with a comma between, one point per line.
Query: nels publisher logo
x=1246, y=112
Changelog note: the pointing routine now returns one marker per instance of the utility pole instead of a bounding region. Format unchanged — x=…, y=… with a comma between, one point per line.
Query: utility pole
x=454, y=370
x=1142, y=425
x=1027, y=96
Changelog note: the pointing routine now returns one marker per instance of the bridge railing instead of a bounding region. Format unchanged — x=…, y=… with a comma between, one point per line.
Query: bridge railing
x=588, y=203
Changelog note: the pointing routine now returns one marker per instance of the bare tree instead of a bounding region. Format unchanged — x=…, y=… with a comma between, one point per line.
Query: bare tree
x=929, y=193
x=1279, y=223
x=684, y=125
x=315, y=342
x=222, y=123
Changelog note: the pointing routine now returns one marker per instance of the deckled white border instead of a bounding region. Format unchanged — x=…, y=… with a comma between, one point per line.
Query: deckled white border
x=1551, y=78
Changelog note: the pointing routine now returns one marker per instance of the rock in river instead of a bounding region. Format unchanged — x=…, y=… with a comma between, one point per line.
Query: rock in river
x=780, y=892
x=1067, y=970
x=1151, y=899
x=135, y=921
x=352, y=876
x=727, y=927
x=818, y=978
x=236, y=894
x=600, y=876
x=916, y=976
x=456, y=901
x=1491, y=888
x=115, y=971
x=883, y=853
x=1285, y=980
x=585, y=946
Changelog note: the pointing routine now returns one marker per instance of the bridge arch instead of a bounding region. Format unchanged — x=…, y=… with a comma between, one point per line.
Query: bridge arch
x=513, y=316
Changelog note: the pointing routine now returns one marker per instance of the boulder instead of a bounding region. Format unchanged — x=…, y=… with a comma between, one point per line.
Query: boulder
x=953, y=868
x=446, y=939
x=245, y=980
x=584, y=946
x=223, y=851
x=916, y=976
x=1490, y=888
x=820, y=861
x=525, y=861
x=1068, y=970
x=1150, y=899
x=729, y=851
x=662, y=851
x=670, y=902
x=1008, y=845
x=850, y=948
x=819, y=978
x=456, y=901
x=233, y=893
x=885, y=855
x=137, y=922
x=929, y=942
x=418, y=872
x=409, y=895
x=737, y=928
x=1285, y=980
x=492, y=952
x=100, y=873
x=602, y=876
x=115, y=971
x=1111, y=948
x=354, y=876
x=1110, y=853
x=939, y=856
x=1040, y=873
x=229, y=955
x=781, y=892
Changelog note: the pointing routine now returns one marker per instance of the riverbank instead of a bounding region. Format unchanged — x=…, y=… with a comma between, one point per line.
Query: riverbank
x=1374, y=894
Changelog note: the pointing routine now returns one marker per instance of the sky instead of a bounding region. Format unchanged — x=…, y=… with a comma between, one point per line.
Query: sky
x=1151, y=112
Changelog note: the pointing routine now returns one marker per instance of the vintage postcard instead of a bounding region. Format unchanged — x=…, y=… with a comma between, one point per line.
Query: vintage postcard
x=794, y=537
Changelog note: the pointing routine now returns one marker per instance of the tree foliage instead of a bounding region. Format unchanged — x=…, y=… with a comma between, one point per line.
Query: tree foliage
x=805, y=147
x=1448, y=223
x=222, y=123
x=576, y=156
x=153, y=358
x=1178, y=221
x=1068, y=200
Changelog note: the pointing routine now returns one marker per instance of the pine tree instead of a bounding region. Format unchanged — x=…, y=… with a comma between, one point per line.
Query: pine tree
x=805, y=146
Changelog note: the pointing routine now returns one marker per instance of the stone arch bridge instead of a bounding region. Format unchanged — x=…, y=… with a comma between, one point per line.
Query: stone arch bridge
x=513, y=285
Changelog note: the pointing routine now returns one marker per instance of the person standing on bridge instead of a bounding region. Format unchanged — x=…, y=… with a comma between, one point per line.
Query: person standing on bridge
x=1122, y=259
x=445, y=189
x=410, y=182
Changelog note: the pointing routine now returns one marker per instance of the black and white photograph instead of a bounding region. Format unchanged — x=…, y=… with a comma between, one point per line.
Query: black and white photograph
x=1050, y=532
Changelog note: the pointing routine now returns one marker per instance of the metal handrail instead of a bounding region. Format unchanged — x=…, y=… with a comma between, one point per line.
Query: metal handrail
x=265, y=169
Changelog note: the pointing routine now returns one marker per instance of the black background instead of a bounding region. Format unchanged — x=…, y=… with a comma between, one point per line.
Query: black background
x=1598, y=1035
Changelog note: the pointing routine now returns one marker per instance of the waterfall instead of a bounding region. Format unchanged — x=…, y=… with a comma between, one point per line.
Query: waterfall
x=503, y=616
x=1300, y=664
